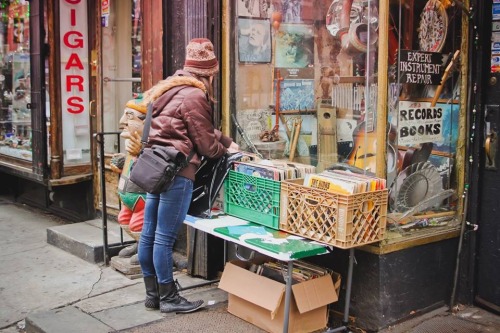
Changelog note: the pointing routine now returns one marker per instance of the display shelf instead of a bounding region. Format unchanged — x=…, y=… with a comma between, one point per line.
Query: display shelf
x=16, y=152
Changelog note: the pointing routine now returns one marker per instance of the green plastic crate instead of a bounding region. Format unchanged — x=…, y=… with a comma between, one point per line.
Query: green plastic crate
x=252, y=198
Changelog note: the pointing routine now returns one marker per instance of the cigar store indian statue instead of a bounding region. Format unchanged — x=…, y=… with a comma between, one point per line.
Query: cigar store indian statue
x=132, y=197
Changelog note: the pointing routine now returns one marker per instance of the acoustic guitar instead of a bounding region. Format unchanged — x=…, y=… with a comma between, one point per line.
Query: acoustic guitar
x=363, y=153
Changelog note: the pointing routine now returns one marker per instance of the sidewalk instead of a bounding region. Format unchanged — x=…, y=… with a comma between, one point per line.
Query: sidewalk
x=59, y=292
x=46, y=289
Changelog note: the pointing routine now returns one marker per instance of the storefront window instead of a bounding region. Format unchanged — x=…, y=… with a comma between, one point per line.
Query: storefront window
x=424, y=111
x=15, y=81
x=306, y=89
x=309, y=65
x=122, y=65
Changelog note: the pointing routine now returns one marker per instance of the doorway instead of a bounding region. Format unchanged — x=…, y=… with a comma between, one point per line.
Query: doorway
x=120, y=79
x=487, y=290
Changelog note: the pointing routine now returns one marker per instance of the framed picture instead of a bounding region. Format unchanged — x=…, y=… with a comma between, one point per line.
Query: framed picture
x=254, y=8
x=296, y=95
x=254, y=40
x=295, y=46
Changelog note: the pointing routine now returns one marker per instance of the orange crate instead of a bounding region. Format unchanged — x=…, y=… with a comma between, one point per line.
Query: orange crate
x=344, y=221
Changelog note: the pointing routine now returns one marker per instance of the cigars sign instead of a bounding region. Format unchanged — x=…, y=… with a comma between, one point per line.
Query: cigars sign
x=75, y=85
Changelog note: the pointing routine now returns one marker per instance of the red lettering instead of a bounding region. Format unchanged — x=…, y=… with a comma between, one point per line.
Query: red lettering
x=74, y=80
x=73, y=43
x=73, y=17
x=76, y=103
x=74, y=61
x=73, y=2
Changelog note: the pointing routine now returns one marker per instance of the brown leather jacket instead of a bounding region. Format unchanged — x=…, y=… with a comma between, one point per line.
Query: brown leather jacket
x=182, y=117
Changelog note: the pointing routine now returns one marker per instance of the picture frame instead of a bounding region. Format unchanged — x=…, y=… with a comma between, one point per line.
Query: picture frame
x=254, y=8
x=254, y=40
x=295, y=46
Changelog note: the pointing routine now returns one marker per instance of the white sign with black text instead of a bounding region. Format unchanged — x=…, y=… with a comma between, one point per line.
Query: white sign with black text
x=419, y=123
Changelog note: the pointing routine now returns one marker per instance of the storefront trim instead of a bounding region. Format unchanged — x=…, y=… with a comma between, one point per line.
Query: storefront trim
x=393, y=245
x=68, y=180
x=20, y=171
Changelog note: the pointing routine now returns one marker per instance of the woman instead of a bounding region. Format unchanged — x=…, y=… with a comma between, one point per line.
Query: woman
x=182, y=118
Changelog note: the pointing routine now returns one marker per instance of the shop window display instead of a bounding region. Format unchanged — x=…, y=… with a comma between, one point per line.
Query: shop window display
x=15, y=80
x=323, y=73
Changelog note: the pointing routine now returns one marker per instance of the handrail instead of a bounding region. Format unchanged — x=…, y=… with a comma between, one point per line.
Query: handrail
x=99, y=136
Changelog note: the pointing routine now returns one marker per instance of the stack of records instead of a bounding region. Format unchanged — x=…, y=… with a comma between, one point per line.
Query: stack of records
x=275, y=169
x=344, y=182
x=302, y=271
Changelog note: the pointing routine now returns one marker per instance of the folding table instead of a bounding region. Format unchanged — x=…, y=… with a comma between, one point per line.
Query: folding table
x=275, y=244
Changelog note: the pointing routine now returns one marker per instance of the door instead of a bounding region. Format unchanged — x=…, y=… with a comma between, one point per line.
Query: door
x=488, y=240
x=120, y=77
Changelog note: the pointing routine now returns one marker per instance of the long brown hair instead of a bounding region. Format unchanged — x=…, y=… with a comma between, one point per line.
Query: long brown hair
x=210, y=87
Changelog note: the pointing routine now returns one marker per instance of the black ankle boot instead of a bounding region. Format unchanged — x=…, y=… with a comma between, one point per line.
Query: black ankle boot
x=152, y=301
x=171, y=301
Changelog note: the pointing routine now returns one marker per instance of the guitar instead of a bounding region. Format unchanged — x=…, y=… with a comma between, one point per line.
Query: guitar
x=414, y=155
x=363, y=153
x=444, y=78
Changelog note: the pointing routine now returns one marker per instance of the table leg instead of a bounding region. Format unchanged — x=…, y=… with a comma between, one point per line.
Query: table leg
x=347, y=302
x=288, y=296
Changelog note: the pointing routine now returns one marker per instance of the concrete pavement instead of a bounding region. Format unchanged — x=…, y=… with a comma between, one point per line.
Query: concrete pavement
x=46, y=289
x=59, y=292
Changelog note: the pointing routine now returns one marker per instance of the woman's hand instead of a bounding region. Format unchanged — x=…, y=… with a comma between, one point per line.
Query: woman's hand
x=233, y=148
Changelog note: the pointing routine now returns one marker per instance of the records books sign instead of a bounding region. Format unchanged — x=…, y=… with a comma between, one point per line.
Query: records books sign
x=419, y=123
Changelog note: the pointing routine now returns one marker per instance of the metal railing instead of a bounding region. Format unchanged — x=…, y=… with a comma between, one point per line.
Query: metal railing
x=106, y=246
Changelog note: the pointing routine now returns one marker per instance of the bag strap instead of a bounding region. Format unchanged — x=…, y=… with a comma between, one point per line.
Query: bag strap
x=147, y=126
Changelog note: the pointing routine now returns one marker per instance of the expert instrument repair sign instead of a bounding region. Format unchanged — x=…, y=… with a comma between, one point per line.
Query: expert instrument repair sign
x=418, y=67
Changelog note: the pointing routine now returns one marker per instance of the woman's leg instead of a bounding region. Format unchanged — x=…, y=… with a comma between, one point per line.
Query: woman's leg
x=146, y=242
x=172, y=210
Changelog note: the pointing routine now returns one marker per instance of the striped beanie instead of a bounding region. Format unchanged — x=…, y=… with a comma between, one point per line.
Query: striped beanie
x=200, y=58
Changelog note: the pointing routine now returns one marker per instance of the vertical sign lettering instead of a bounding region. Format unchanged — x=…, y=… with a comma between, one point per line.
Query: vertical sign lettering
x=74, y=78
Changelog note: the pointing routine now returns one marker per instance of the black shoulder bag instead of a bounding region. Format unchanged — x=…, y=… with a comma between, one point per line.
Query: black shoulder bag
x=156, y=166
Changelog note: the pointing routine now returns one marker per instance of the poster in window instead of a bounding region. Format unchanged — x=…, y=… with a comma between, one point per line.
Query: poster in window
x=295, y=47
x=254, y=8
x=254, y=40
x=18, y=30
x=295, y=11
x=296, y=95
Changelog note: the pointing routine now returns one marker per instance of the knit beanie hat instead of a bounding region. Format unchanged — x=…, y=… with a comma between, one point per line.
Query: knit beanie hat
x=135, y=104
x=200, y=57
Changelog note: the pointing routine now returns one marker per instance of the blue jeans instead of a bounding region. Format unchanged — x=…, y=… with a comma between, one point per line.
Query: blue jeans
x=163, y=215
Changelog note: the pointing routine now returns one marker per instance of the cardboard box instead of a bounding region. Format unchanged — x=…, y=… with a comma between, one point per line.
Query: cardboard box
x=261, y=301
